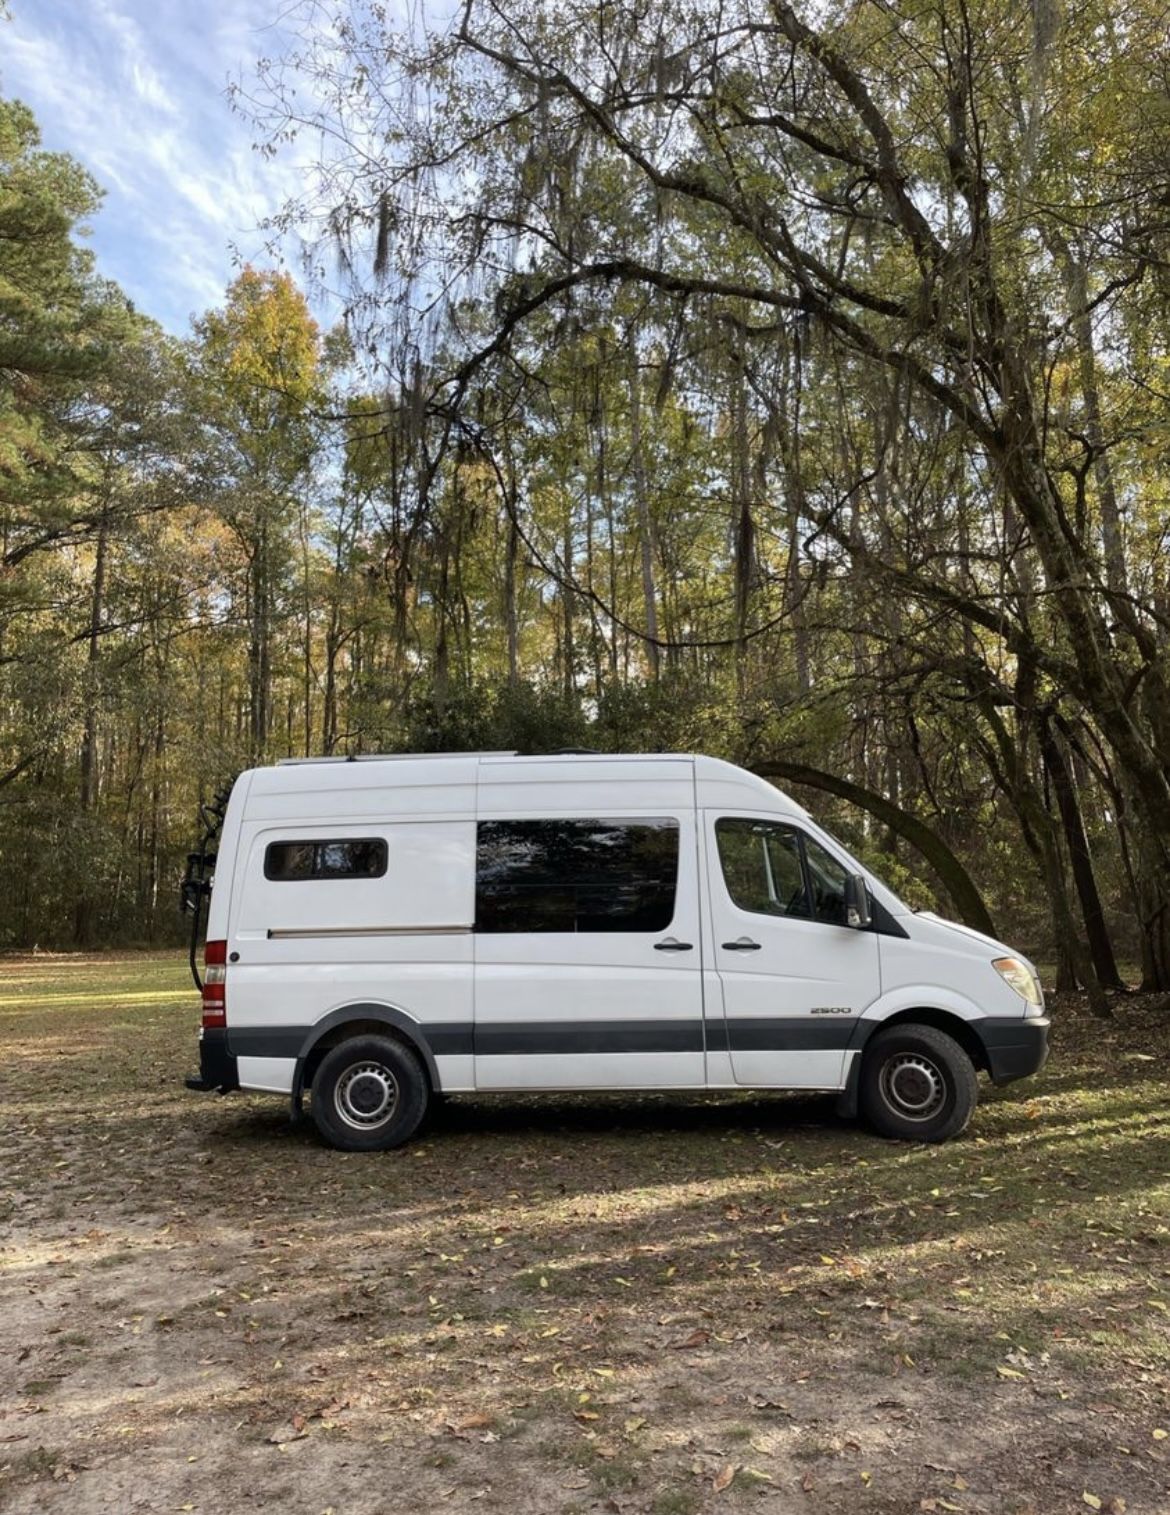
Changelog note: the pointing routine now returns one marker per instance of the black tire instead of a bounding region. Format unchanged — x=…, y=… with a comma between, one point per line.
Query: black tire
x=369, y=1094
x=917, y=1084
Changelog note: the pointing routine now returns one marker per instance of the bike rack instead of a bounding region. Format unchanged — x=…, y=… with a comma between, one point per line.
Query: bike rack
x=200, y=874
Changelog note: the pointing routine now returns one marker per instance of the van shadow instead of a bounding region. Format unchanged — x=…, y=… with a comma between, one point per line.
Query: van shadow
x=634, y=1115
x=545, y=1115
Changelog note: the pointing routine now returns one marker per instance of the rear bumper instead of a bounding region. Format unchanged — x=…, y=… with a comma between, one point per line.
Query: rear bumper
x=1015, y=1048
x=217, y=1066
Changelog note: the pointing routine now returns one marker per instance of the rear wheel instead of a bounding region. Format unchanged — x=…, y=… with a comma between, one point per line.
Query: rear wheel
x=369, y=1094
x=918, y=1084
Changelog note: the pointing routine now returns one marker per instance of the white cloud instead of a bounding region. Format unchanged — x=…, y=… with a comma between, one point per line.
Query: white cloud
x=136, y=90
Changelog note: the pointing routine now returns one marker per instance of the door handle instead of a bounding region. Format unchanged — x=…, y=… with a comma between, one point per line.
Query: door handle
x=672, y=944
x=743, y=944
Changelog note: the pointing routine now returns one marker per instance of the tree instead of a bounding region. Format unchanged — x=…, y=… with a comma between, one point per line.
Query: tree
x=257, y=368
x=899, y=195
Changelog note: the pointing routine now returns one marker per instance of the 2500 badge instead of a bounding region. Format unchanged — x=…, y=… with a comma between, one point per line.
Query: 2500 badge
x=832, y=1010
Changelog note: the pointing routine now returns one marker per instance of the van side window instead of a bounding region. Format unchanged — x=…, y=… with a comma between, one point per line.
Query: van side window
x=827, y=879
x=289, y=862
x=576, y=875
x=762, y=866
x=774, y=869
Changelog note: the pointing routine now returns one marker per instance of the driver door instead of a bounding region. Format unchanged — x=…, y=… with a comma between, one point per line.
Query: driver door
x=794, y=977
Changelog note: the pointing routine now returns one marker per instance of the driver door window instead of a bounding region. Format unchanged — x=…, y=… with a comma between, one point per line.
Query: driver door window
x=827, y=880
x=773, y=869
x=762, y=866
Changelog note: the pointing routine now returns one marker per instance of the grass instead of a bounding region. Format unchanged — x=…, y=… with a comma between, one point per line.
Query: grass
x=550, y=1303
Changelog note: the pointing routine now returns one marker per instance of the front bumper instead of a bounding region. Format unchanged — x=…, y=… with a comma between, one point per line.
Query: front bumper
x=1015, y=1048
x=217, y=1066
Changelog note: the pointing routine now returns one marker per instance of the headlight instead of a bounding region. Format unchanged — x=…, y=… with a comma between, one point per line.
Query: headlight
x=1021, y=978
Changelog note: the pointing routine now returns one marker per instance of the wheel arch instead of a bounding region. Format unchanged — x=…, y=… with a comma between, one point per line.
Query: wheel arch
x=958, y=1027
x=360, y=1019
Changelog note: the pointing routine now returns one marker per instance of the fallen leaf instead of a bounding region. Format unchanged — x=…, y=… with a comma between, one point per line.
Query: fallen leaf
x=283, y=1437
x=698, y=1338
x=1091, y=1500
x=723, y=1478
x=469, y=1423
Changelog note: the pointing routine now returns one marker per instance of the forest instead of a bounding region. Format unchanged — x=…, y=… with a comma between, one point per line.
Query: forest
x=791, y=387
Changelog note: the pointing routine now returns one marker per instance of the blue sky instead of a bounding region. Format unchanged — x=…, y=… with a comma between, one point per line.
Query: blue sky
x=135, y=90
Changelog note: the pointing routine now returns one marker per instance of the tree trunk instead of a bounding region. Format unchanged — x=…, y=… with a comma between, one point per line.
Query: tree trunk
x=88, y=788
x=259, y=649
x=645, y=522
x=1080, y=859
x=511, y=613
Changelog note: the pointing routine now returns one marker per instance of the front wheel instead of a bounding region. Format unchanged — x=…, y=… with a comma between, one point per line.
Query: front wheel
x=369, y=1094
x=917, y=1084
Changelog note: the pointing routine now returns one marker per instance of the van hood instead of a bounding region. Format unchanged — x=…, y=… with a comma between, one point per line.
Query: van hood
x=998, y=947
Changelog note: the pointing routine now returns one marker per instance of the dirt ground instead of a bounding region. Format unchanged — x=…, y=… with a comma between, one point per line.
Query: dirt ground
x=662, y=1305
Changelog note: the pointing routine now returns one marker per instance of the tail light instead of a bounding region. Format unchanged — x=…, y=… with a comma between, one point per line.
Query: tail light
x=215, y=984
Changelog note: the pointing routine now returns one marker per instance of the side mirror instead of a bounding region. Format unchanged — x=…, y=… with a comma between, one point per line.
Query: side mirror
x=857, y=913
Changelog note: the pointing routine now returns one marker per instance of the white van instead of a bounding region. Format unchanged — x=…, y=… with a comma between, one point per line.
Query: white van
x=384, y=930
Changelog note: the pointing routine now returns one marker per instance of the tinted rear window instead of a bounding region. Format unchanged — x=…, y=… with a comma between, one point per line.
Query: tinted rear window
x=349, y=857
x=576, y=875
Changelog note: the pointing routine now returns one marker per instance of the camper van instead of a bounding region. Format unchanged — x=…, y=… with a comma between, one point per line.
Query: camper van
x=384, y=931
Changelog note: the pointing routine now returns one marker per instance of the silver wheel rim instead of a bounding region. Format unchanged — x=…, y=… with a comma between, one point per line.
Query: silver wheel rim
x=913, y=1086
x=366, y=1096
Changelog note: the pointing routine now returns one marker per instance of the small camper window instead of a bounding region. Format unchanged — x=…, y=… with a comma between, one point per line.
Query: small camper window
x=348, y=857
